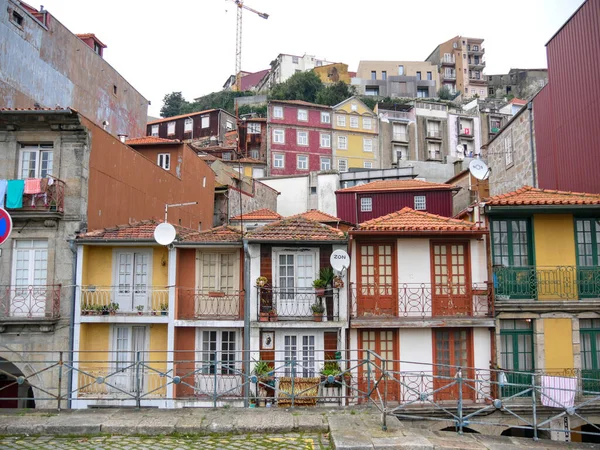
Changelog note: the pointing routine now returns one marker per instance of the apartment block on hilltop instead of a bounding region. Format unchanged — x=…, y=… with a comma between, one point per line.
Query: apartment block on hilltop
x=397, y=79
x=284, y=66
x=43, y=63
x=460, y=63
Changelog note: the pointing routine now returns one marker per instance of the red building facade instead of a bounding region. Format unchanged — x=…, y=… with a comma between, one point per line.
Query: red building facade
x=299, y=137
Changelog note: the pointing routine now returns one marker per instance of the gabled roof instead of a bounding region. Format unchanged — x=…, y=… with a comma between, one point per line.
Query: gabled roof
x=259, y=214
x=222, y=234
x=252, y=79
x=319, y=216
x=140, y=231
x=181, y=116
x=296, y=229
x=151, y=140
x=300, y=103
x=355, y=98
x=397, y=185
x=409, y=221
x=530, y=196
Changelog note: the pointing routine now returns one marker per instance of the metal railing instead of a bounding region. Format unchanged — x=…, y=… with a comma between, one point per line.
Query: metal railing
x=277, y=303
x=451, y=60
x=420, y=300
x=119, y=300
x=436, y=134
x=202, y=304
x=547, y=282
x=403, y=137
x=51, y=199
x=30, y=302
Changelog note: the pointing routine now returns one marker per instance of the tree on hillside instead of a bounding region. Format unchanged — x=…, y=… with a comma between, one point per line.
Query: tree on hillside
x=300, y=86
x=173, y=105
x=335, y=93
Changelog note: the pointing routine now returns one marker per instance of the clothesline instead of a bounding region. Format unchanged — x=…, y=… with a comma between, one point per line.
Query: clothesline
x=12, y=191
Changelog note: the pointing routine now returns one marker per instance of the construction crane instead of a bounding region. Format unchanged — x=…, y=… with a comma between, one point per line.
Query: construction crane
x=238, y=38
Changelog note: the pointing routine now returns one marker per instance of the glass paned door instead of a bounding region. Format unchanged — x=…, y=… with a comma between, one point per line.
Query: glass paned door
x=516, y=356
x=30, y=272
x=453, y=350
x=133, y=281
x=587, y=236
x=451, y=290
x=589, y=330
x=128, y=343
x=382, y=345
x=296, y=274
x=377, y=293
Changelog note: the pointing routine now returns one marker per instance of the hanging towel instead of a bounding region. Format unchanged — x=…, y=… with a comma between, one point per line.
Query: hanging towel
x=558, y=392
x=14, y=193
x=33, y=186
x=3, y=184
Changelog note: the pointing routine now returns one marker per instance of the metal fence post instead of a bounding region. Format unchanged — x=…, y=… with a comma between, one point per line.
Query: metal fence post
x=137, y=380
x=460, y=400
x=385, y=389
x=293, y=380
x=216, y=370
x=60, y=376
x=367, y=395
x=534, y=408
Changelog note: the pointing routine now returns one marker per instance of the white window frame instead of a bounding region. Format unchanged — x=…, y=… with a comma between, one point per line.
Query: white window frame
x=325, y=140
x=302, y=115
x=325, y=117
x=277, y=112
x=36, y=251
x=229, y=125
x=254, y=128
x=135, y=292
x=302, y=162
x=188, y=125
x=254, y=153
x=340, y=120
x=39, y=150
x=420, y=203
x=124, y=377
x=278, y=136
x=225, y=373
x=432, y=156
x=164, y=160
x=302, y=138
x=344, y=140
x=218, y=264
x=367, y=164
x=368, y=145
x=353, y=122
x=308, y=367
x=344, y=162
x=278, y=161
x=154, y=130
x=205, y=121
x=325, y=163
x=366, y=204
x=171, y=128
x=226, y=156
x=367, y=123
x=508, y=151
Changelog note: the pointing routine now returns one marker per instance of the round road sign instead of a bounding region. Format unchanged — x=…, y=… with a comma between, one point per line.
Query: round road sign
x=5, y=225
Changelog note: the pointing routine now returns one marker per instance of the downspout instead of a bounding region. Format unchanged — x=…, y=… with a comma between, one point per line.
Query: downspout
x=73, y=249
x=533, y=171
x=246, y=360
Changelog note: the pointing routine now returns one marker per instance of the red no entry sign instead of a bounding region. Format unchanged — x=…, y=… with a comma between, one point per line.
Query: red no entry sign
x=5, y=225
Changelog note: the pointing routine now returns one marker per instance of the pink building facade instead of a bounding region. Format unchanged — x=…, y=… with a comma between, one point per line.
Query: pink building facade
x=299, y=137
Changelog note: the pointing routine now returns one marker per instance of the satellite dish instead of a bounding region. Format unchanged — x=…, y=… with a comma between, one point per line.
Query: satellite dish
x=164, y=233
x=479, y=169
x=339, y=260
x=384, y=118
x=460, y=152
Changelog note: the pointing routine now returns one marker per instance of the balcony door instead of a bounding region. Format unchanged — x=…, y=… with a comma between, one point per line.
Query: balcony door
x=587, y=237
x=451, y=281
x=453, y=349
x=129, y=343
x=516, y=357
x=29, y=278
x=133, y=272
x=294, y=291
x=382, y=346
x=377, y=293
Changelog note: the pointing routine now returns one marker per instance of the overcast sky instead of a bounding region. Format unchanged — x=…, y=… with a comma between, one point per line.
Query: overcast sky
x=189, y=45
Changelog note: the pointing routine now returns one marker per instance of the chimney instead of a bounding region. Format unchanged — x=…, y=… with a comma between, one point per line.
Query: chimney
x=122, y=137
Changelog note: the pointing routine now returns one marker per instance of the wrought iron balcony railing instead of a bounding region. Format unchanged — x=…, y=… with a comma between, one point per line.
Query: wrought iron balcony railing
x=279, y=303
x=50, y=200
x=124, y=299
x=30, y=302
x=420, y=300
x=204, y=304
x=547, y=282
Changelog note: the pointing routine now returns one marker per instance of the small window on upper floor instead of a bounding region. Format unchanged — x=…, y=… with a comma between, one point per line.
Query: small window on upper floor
x=325, y=117
x=418, y=75
x=303, y=115
x=254, y=153
x=354, y=107
x=366, y=204
x=16, y=18
x=227, y=156
x=97, y=49
x=115, y=89
x=36, y=160
x=294, y=59
x=254, y=128
x=278, y=112
x=420, y=203
x=384, y=74
x=205, y=122
x=373, y=75
x=229, y=125
x=154, y=131
x=170, y=128
x=188, y=125
x=164, y=160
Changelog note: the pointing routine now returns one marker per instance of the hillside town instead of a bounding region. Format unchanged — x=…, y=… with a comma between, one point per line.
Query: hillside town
x=418, y=237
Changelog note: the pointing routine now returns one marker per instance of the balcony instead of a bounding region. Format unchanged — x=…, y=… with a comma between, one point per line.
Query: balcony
x=281, y=304
x=476, y=64
x=434, y=134
x=50, y=203
x=29, y=303
x=448, y=61
x=480, y=51
x=197, y=304
x=124, y=300
x=400, y=137
x=481, y=80
x=554, y=283
x=449, y=76
x=466, y=131
x=421, y=301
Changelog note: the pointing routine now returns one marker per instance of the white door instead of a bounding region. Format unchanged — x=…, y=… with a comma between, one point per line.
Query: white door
x=133, y=275
x=296, y=274
x=219, y=364
x=128, y=342
x=30, y=271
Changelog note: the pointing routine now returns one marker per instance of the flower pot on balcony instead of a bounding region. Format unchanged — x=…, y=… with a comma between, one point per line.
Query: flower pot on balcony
x=319, y=292
x=318, y=317
x=263, y=317
x=273, y=316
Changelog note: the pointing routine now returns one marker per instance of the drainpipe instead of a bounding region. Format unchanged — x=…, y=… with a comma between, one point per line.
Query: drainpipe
x=73, y=249
x=533, y=171
x=246, y=360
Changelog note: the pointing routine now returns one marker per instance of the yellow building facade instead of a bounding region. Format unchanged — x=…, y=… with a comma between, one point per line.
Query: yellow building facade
x=355, y=136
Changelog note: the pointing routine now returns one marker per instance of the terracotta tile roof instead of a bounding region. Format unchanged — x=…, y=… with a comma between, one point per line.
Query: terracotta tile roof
x=518, y=101
x=181, y=116
x=90, y=35
x=319, y=216
x=250, y=161
x=296, y=229
x=528, y=195
x=208, y=157
x=300, y=103
x=215, y=235
x=140, y=231
x=151, y=140
x=259, y=214
x=409, y=220
x=397, y=185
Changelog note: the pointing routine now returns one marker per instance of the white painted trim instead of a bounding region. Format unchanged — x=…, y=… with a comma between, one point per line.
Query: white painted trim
x=171, y=281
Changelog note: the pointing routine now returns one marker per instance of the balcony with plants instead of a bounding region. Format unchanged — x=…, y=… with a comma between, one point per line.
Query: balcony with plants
x=108, y=301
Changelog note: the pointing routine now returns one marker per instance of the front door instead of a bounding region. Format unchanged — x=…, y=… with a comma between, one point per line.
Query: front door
x=129, y=344
x=453, y=349
x=378, y=351
x=133, y=275
x=30, y=271
x=516, y=357
x=377, y=293
x=451, y=290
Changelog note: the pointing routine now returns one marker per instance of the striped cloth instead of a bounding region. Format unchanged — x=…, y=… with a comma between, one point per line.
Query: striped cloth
x=558, y=392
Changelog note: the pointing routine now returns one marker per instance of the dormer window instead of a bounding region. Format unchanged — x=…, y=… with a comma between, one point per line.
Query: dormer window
x=16, y=18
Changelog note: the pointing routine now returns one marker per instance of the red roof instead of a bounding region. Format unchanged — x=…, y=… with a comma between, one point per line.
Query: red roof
x=181, y=116
x=259, y=214
x=319, y=216
x=90, y=35
x=528, y=195
x=249, y=161
x=518, y=101
x=397, y=185
x=146, y=140
x=301, y=103
x=409, y=220
x=215, y=235
x=297, y=229
x=140, y=231
x=251, y=80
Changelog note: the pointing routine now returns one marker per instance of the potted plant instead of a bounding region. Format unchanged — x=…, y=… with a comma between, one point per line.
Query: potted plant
x=104, y=310
x=332, y=368
x=319, y=285
x=261, y=281
x=326, y=274
x=318, y=309
x=140, y=309
x=113, y=308
x=164, y=308
x=266, y=381
x=153, y=312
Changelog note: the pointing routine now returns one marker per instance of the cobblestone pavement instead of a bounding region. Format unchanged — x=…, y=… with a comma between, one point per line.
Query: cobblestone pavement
x=225, y=442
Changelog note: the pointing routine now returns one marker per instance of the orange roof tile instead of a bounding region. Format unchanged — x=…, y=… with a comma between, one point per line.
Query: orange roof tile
x=140, y=231
x=215, y=235
x=409, y=220
x=518, y=101
x=90, y=35
x=397, y=185
x=296, y=229
x=300, y=103
x=259, y=214
x=319, y=216
x=145, y=140
x=249, y=161
x=181, y=116
x=528, y=195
